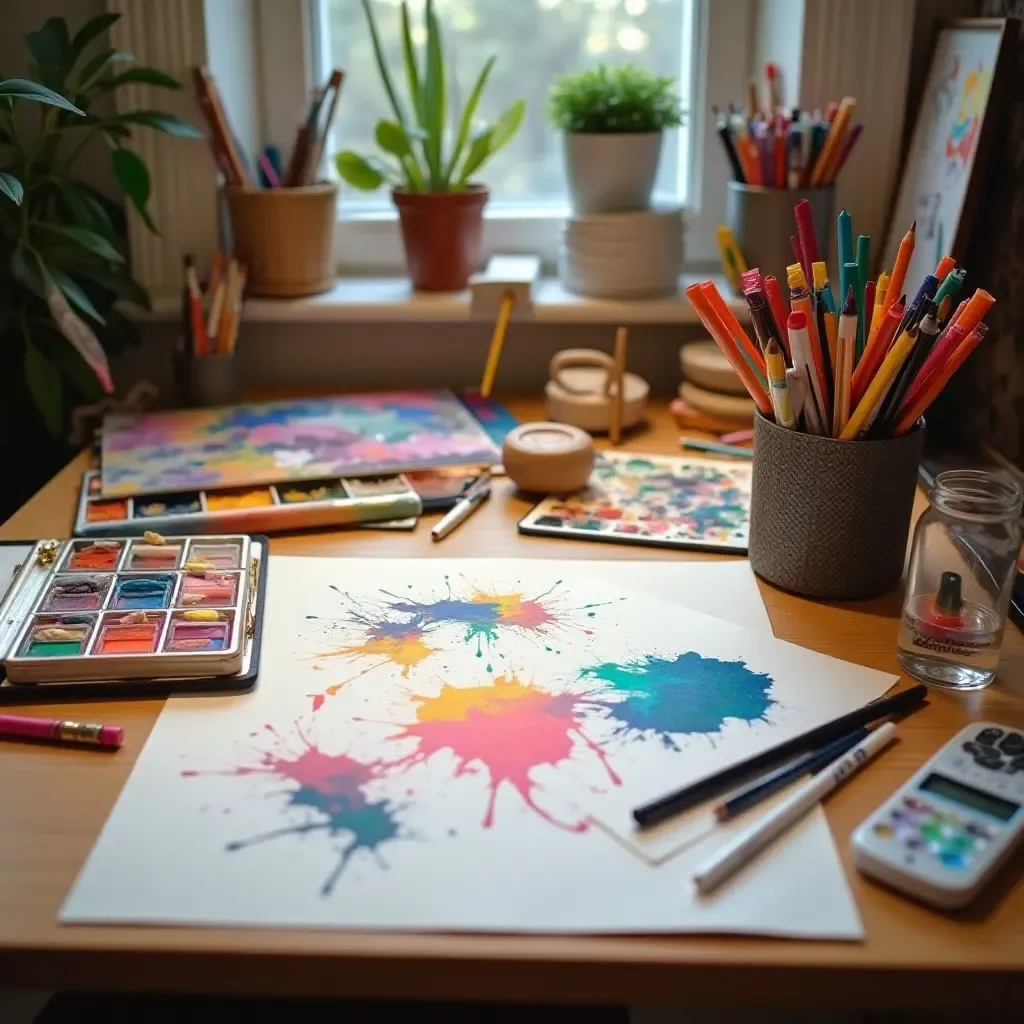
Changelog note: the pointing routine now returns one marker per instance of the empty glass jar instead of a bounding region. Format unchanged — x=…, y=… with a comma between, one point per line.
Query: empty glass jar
x=962, y=570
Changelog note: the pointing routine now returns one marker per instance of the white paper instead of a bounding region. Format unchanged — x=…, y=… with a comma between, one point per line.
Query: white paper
x=217, y=825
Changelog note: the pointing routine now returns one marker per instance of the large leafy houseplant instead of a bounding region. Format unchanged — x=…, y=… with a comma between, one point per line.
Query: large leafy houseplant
x=431, y=169
x=61, y=265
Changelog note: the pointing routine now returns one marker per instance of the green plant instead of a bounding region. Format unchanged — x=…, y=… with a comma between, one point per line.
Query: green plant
x=423, y=156
x=61, y=268
x=618, y=99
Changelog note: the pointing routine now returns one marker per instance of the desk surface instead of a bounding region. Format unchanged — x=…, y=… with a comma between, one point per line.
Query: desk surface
x=53, y=802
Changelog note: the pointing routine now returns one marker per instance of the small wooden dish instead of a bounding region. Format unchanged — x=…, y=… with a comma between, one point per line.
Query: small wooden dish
x=580, y=391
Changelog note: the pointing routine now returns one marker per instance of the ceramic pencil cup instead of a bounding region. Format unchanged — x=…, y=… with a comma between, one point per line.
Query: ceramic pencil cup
x=830, y=518
x=208, y=380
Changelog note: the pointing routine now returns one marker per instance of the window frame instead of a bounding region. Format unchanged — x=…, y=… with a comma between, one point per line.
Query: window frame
x=368, y=243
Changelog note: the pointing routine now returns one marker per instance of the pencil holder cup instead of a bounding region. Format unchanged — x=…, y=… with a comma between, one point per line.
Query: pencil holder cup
x=208, y=380
x=761, y=221
x=830, y=518
x=285, y=237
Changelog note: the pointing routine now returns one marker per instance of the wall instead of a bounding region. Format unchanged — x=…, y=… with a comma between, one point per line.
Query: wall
x=778, y=33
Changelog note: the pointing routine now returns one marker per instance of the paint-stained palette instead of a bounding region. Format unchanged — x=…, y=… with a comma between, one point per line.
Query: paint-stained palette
x=276, y=442
x=125, y=608
x=701, y=504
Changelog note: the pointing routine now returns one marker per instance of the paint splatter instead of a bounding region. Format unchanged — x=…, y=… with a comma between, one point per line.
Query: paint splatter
x=680, y=695
x=330, y=788
x=393, y=629
x=508, y=727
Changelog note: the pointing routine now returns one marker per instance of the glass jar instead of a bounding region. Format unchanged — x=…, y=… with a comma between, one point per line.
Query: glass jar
x=962, y=571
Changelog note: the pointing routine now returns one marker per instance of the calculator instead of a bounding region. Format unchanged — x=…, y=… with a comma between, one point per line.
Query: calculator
x=945, y=833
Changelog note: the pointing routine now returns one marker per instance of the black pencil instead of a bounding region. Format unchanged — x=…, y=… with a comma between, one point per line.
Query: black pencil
x=928, y=332
x=657, y=811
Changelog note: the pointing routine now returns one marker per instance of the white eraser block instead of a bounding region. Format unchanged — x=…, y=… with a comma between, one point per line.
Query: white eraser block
x=514, y=274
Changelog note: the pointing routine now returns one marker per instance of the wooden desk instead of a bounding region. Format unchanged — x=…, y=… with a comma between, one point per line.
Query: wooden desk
x=54, y=801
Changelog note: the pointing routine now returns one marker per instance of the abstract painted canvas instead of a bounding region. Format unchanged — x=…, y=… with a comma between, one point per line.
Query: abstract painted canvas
x=655, y=500
x=413, y=755
x=272, y=442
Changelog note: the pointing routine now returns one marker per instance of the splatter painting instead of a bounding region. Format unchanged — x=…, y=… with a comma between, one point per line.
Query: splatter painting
x=663, y=502
x=427, y=749
x=274, y=442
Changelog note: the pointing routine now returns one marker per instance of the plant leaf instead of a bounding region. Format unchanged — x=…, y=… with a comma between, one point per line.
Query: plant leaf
x=143, y=76
x=44, y=385
x=118, y=282
x=157, y=120
x=94, y=68
x=27, y=271
x=74, y=294
x=412, y=72
x=88, y=240
x=22, y=89
x=434, y=101
x=114, y=211
x=507, y=125
x=84, y=209
x=358, y=171
x=466, y=123
x=392, y=138
x=382, y=67
x=72, y=365
x=479, y=151
x=51, y=50
x=133, y=176
x=11, y=187
x=88, y=32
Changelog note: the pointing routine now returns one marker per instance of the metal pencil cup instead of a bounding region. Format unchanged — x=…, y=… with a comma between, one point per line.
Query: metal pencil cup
x=829, y=518
x=761, y=220
x=208, y=380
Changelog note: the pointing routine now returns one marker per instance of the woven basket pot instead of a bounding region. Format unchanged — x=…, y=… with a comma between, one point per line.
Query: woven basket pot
x=830, y=518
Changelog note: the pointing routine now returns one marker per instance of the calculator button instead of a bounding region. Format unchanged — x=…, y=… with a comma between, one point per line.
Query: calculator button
x=1012, y=744
x=975, y=828
x=992, y=763
x=954, y=860
x=988, y=736
x=914, y=843
x=915, y=803
x=883, y=830
x=1018, y=763
x=972, y=748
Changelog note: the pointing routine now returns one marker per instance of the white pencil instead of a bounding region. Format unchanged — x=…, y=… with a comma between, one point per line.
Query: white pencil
x=725, y=862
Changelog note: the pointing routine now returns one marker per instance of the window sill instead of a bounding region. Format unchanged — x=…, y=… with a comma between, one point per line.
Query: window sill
x=391, y=300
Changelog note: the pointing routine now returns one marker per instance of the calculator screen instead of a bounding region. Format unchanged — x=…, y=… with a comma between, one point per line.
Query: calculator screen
x=970, y=797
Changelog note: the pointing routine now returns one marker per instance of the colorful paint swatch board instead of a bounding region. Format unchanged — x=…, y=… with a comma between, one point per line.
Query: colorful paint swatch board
x=699, y=504
x=302, y=505
x=279, y=442
x=415, y=755
x=130, y=616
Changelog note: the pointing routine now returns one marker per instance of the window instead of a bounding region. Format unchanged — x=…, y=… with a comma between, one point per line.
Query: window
x=534, y=41
x=704, y=45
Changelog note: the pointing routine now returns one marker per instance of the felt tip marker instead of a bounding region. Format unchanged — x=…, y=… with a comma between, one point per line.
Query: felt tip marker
x=15, y=727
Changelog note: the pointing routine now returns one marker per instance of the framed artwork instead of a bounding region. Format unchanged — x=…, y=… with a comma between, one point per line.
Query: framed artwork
x=955, y=127
x=701, y=504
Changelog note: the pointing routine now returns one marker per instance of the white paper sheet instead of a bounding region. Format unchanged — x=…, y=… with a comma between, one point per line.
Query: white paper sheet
x=243, y=810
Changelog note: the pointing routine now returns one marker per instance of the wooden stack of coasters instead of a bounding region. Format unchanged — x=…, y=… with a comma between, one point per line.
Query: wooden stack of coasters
x=711, y=398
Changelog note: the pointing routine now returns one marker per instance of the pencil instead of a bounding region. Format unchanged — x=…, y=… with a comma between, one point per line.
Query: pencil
x=879, y=386
x=889, y=410
x=845, y=344
x=619, y=378
x=863, y=258
x=508, y=300
x=780, y=390
x=864, y=373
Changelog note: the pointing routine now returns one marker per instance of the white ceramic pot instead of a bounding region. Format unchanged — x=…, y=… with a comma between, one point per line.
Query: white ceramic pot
x=611, y=172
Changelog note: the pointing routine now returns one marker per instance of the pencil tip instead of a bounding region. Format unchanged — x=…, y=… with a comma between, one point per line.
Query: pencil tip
x=913, y=227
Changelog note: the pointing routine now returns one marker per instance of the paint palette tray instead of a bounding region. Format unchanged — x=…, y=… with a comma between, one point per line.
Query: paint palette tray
x=300, y=505
x=182, y=614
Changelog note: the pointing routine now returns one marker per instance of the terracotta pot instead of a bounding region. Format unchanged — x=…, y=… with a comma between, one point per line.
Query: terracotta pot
x=441, y=232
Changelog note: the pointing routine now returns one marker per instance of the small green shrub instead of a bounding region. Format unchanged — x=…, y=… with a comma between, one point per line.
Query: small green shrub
x=624, y=98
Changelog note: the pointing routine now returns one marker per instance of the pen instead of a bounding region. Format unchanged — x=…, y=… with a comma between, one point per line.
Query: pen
x=716, y=447
x=463, y=508
x=19, y=727
x=737, y=853
x=697, y=792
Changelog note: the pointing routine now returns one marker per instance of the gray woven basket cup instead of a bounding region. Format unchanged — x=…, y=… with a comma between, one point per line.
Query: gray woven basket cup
x=830, y=518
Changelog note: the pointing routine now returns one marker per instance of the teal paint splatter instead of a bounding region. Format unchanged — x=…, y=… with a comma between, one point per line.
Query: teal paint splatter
x=686, y=694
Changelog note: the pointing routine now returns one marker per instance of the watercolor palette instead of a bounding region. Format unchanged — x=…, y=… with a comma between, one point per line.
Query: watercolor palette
x=699, y=504
x=302, y=505
x=129, y=608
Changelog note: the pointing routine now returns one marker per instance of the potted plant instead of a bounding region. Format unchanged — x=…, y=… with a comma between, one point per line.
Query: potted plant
x=61, y=266
x=431, y=171
x=613, y=119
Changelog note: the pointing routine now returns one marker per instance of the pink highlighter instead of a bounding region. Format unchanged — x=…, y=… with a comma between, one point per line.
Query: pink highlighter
x=18, y=727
